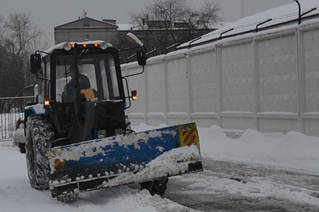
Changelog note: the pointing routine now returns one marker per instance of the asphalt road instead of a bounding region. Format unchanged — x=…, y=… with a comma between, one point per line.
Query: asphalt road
x=187, y=191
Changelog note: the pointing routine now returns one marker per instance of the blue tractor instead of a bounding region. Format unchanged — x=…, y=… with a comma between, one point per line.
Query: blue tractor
x=78, y=137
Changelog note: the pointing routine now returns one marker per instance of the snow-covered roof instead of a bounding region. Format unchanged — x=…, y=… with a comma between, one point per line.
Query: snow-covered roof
x=87, y=22
x=277, y=15
x=124, y=27
x=64, y=44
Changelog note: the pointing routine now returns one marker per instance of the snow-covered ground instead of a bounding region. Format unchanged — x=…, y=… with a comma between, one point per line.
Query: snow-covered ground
x=16, y=194
x=284, y=167
x=290, y=152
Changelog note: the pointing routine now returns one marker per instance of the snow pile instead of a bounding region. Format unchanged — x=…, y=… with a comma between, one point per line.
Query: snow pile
x=143, y=127
x=291, y=150
x=16, y=194
x=170, y=162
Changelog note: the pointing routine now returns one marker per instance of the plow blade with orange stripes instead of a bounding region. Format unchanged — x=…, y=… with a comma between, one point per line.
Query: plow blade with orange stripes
x=123, y=159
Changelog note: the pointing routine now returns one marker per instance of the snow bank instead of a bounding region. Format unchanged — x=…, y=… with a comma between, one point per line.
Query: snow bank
x=291, y=150
x=167, y=163
x=143, y=127
x=16, y=194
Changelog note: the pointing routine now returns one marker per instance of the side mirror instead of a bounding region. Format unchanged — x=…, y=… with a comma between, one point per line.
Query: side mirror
x=141, y=57
x=141, y=54
x=35, y=61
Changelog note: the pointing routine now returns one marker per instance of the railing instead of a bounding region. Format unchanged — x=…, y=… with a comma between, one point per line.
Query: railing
x=11, y=109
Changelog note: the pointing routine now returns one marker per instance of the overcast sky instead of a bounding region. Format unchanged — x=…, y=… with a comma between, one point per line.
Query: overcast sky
x=47, y=14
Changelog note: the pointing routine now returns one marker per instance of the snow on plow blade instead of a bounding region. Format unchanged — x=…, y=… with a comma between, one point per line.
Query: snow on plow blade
x=123, y=159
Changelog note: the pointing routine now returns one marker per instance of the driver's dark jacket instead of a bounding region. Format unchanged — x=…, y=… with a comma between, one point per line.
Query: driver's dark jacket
x=69, y=91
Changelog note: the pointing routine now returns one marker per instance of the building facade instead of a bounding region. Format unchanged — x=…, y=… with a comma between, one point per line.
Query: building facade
x=156, y=38
x=87, y=29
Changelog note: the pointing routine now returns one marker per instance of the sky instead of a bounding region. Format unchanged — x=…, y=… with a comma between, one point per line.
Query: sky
x=47, y=14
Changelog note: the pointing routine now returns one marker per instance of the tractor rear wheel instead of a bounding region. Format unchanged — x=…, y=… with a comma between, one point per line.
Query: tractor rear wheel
x=39, y=137
x=157, y=186
x=21, y=147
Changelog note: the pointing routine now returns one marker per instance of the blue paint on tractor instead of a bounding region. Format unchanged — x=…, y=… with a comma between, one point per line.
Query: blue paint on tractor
x=30, y=110
x=113, y=155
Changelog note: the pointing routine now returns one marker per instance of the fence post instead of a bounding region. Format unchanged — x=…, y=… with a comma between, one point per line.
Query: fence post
x=220, y=84
x=166, y=90
x=257, y=82
x=189, y=82
x=301, y=78
x=146, y=95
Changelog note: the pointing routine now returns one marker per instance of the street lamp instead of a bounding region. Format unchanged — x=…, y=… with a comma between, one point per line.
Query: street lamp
x=299, y=11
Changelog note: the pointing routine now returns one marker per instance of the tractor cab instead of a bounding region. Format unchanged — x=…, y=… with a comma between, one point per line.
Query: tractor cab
x=82, y=90
x=96, y=76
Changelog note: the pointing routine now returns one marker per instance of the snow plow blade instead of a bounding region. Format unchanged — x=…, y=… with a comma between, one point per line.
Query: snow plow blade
x=124, y=159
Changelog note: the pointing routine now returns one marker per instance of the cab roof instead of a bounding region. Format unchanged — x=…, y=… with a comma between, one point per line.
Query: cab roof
x=63, y=45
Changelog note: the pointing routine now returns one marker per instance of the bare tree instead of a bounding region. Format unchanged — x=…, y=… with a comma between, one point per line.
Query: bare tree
x=139, y=20
x=19, y=39
x=177, y=22
x=1, y=29
x=208, y=15
x=171, y=11
x=11, y=72
x=167, y=10
x=163, y=13
x=21, y=33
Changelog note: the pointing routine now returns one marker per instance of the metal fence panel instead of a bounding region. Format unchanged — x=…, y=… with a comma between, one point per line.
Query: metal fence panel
x=11, y=109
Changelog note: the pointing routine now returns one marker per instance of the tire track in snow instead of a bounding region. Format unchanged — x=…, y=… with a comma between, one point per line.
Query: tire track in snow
x=253, y=188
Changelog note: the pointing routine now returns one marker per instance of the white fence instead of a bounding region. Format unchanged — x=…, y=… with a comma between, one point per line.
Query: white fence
x=268, y=82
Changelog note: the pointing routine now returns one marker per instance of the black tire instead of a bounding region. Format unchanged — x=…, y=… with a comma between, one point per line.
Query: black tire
x=21, y=147
x=39, y=137
x=156, y=186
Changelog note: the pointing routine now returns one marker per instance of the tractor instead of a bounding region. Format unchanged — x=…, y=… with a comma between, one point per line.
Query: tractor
x=78, y=137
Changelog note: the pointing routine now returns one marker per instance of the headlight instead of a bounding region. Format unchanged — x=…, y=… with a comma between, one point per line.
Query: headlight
x=67, y=46
x=103, y=45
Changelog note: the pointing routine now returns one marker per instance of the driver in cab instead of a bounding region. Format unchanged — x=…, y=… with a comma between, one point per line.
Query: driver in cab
x=69, y=91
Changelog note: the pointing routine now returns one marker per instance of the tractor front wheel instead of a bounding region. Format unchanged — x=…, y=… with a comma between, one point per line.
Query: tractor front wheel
x=39, y=137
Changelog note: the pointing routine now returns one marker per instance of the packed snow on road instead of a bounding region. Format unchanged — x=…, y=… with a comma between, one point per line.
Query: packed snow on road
x=243, y=170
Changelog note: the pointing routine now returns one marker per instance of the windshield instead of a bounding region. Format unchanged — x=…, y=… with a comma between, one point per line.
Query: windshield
x=97, y=77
